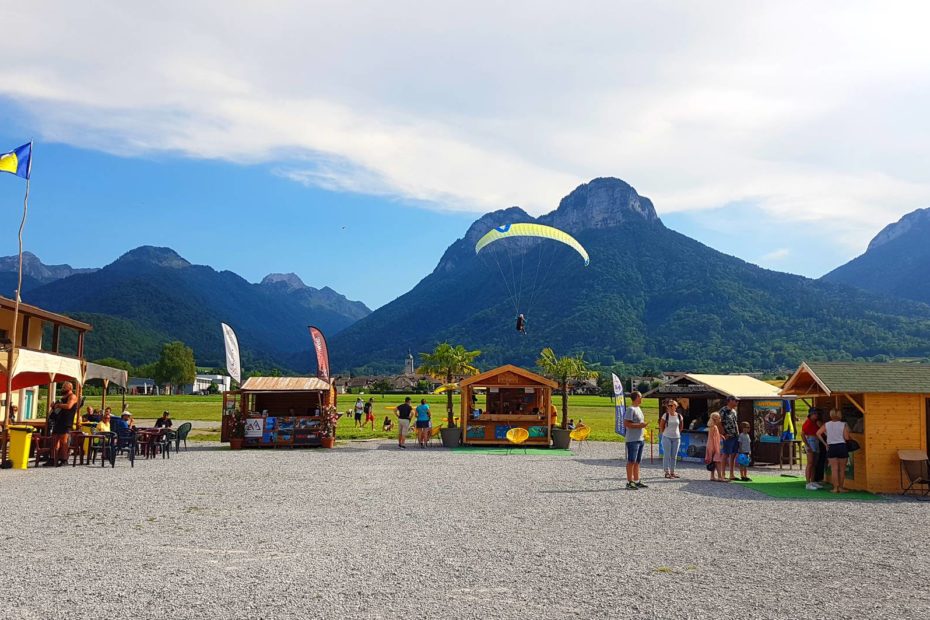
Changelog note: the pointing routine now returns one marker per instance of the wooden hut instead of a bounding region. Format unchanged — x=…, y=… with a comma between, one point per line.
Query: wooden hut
x=278, y=411
x=507, y=397
x=886, y=406
x=759, y=404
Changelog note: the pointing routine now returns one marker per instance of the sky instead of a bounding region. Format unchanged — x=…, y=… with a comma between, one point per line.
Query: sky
x=351, y=143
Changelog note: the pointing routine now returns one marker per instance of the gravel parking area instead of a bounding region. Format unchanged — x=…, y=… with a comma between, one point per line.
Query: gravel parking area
x=370, y=531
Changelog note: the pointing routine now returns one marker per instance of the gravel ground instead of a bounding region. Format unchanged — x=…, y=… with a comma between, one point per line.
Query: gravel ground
x=370, y=531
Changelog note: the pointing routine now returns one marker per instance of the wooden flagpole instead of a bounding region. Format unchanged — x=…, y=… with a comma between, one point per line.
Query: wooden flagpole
x=13, y=338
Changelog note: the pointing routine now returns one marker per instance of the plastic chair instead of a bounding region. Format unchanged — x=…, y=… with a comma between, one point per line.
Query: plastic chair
x=181, y=435
x=76, y=447
x=434, y=434
x=517, y=438
x=915, y=470
x=42, y=444
x=102, y=444
x=580, y=435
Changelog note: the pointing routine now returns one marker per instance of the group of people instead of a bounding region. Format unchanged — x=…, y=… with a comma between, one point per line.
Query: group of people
x=61, y=421
x=726, y=441
x=423, y=420
x=826, y=442
x=367, y=409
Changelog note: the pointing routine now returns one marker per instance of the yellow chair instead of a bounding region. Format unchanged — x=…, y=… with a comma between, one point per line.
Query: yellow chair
x=580, y=435
x=517, y=437
x=433, y=434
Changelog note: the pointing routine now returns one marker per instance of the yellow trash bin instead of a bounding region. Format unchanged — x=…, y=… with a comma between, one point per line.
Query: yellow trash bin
x=20, y=440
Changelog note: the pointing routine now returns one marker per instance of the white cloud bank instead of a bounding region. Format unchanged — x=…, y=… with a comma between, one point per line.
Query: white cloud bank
x=810, y=112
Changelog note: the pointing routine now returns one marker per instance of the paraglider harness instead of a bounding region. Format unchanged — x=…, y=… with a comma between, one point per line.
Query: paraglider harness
x=521, y=324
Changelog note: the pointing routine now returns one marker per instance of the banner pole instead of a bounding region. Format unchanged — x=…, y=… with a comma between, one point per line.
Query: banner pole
x=16, y=301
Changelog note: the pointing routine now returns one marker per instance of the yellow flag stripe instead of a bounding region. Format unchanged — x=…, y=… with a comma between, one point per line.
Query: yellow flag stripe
x=9, y=162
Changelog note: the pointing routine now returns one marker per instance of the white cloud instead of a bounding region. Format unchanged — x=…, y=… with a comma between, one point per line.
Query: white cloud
x=774, y=255
x=810, y=112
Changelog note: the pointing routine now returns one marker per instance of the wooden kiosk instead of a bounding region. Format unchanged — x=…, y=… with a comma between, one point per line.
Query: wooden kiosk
x=886, y=406
x=278, y=411
x=507, y=397
x=760, y=404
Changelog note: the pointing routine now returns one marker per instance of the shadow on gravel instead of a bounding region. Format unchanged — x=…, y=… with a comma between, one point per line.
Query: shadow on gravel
x=723, y=490
x=602, y=462
x=575, y=491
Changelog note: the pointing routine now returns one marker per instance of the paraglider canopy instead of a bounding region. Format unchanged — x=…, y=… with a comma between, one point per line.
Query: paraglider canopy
x=532, y=230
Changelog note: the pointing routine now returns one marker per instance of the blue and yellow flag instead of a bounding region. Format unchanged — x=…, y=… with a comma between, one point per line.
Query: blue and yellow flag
x=18, y=161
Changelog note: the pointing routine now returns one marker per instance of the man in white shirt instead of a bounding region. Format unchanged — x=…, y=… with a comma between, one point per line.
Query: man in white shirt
x=635, y=422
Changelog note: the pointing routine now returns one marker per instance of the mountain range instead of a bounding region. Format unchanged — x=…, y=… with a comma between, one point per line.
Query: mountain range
x=651, y=299
x=151, y=295
x=896, y=262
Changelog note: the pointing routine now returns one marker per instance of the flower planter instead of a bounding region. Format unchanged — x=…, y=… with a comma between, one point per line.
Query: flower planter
x=235, y=443
x=451, y=437
x=327, y=442
x=561, y=438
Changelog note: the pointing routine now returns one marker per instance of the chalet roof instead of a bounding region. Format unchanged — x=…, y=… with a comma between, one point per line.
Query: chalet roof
x=284, y=384
x=858, y=378
x=487, y=377
x=45, y=315
x=740, y=386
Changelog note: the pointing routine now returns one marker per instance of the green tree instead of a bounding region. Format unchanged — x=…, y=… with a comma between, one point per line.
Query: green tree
x=446, y=363
x=562, y=370
x=176, y=365
x=381, y=386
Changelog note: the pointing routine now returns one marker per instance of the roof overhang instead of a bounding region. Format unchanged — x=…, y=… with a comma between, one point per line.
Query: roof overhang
x=742, y=387
x=45, y=315
x=805, y=382
x=284, y=384
x=502, y=376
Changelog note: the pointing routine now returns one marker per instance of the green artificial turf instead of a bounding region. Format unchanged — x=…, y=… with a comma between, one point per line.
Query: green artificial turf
x=519, y=451
x=793, y=488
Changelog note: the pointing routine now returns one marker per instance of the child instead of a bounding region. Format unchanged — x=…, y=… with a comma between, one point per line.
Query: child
x=745, y=447
x=388, y=425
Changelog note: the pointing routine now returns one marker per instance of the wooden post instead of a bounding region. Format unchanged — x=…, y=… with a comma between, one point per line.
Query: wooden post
x=56, y=337
x=103, y=399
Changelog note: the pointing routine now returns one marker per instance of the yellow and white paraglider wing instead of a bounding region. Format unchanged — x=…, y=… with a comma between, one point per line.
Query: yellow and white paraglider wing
x=531, y=230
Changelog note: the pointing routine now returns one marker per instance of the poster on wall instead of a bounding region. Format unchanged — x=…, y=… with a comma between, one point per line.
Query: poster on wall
x=768, y=420
x=692, y=449
x=253, y=427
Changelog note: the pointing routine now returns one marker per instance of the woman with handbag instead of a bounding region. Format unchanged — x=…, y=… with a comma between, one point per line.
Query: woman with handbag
x=834, y=435
x=670, y=429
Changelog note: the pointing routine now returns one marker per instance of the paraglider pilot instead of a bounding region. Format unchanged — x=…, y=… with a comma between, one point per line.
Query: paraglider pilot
x=521, y=324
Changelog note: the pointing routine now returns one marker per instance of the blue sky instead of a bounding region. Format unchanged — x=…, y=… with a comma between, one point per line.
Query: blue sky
x=786, y=141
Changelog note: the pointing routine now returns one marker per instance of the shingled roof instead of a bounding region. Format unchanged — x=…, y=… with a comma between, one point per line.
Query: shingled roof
x=857, y=378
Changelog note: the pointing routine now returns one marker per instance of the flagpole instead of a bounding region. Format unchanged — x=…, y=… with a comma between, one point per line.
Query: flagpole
x=19, y=286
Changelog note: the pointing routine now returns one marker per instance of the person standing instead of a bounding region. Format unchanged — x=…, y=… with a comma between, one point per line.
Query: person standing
x=812, y=444
x=634, y=421
x=61, y=420
x=834, y=435
x=745, y=452
x=730, y=435
x=712, y=454
x=359, y=409
x=370, y=413
x=423, y=423
x=670, y=428
x=403, y=422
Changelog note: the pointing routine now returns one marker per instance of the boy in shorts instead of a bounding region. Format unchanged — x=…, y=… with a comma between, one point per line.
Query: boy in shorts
x=745, y=448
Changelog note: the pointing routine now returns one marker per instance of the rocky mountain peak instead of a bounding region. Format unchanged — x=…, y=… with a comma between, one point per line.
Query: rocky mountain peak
x=33, y=267
x=919, y=219
x=291, y=281
x=601, y=203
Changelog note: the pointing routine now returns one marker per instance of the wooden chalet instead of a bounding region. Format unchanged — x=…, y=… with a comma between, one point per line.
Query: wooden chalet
x=495, y=401
x=886, y=406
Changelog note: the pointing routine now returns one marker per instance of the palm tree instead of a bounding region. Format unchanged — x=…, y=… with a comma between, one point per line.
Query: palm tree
x=447, y=362
x=563, y=370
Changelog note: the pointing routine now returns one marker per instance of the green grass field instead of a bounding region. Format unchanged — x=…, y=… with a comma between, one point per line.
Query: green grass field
x=595, y=411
